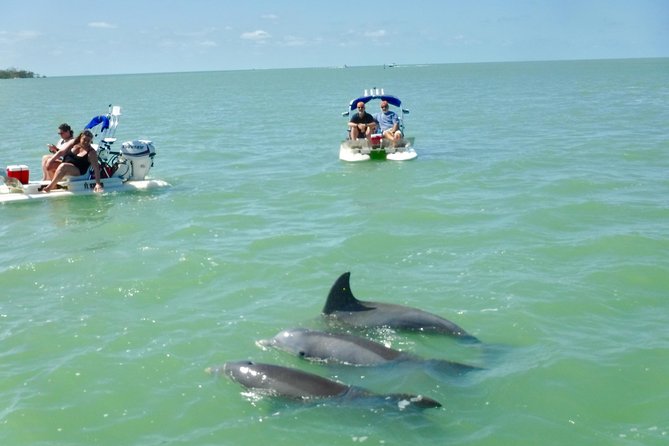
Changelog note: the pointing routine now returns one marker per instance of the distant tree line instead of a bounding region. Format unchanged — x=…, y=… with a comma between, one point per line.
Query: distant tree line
x=14, y=73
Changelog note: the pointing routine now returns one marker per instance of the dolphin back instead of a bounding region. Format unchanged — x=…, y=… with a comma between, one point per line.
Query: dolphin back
x=342, y=305
x=341, y=297
x=292, y=383
x=333, y=347
x=282, y=381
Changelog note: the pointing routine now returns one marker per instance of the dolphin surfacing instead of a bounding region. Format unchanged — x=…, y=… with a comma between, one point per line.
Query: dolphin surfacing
x=342, y=306
x=343, y=348
x=298, y=385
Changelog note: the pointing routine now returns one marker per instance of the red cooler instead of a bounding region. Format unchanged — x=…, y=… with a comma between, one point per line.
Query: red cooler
x=20, y=172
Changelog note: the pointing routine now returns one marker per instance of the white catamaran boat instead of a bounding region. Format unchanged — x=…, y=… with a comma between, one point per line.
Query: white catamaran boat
x=122, y=169
x=379, y=148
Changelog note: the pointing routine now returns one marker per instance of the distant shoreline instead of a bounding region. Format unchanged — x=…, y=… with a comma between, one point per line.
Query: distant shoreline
x=15, y=73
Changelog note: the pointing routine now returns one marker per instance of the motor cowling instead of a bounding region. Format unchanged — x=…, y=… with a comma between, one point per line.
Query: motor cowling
x=136, y=159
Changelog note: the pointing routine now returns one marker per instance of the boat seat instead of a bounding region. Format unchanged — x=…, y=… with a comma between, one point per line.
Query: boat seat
x=105, y=172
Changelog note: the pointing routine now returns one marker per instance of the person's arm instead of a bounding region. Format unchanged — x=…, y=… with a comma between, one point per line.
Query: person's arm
x=353, y=121
x=93, y=158
x=59, y=154
x=67, y=145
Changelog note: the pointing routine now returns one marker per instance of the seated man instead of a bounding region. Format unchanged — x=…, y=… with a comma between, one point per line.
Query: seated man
x=389, y=123
x=362, y=124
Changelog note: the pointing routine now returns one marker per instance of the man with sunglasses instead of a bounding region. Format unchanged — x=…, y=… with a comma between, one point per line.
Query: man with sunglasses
x=389, y=123
x=362, y=124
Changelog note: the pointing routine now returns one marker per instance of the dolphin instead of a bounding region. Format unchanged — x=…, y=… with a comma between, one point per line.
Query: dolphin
x=342, y=306
x=352, y=350
x=295, y=384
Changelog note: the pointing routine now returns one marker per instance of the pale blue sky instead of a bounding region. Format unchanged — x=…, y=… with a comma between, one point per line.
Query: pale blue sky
x=73, y=37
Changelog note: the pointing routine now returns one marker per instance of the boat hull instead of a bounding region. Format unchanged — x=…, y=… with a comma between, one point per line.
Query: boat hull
x=360, y=150
x=31, y=191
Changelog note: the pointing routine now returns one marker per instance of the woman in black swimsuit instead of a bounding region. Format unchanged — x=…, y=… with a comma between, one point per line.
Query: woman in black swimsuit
x=76, y=161
x=80, y=162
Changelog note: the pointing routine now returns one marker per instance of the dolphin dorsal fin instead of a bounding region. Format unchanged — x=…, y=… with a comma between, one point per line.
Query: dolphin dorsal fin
x=341, y=297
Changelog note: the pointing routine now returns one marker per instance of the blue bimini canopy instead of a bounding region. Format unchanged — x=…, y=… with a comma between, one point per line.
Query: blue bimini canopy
x=104, y=120
x=392, y=100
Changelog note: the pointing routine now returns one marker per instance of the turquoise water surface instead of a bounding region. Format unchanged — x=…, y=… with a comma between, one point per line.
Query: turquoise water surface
x=535, y=217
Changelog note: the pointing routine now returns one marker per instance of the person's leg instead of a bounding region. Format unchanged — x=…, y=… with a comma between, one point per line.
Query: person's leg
x=64, y=170
x=368, y=134
x=47, y=174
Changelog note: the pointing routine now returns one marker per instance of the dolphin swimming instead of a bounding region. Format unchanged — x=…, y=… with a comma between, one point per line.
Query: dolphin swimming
x=352, y=350
x=342, y=306
x=295, y=384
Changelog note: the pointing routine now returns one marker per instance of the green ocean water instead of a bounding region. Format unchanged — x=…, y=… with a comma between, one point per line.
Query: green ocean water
x=535, y=217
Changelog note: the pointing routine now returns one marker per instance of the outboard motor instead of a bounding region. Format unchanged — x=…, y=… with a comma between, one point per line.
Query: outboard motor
x=135, y=160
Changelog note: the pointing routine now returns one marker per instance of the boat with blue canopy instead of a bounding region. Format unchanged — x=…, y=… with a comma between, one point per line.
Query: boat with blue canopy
x=377, y=147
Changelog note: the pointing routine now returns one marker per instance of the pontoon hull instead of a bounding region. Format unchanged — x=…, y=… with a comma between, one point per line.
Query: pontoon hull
x=360, y=150
x=31, y=190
